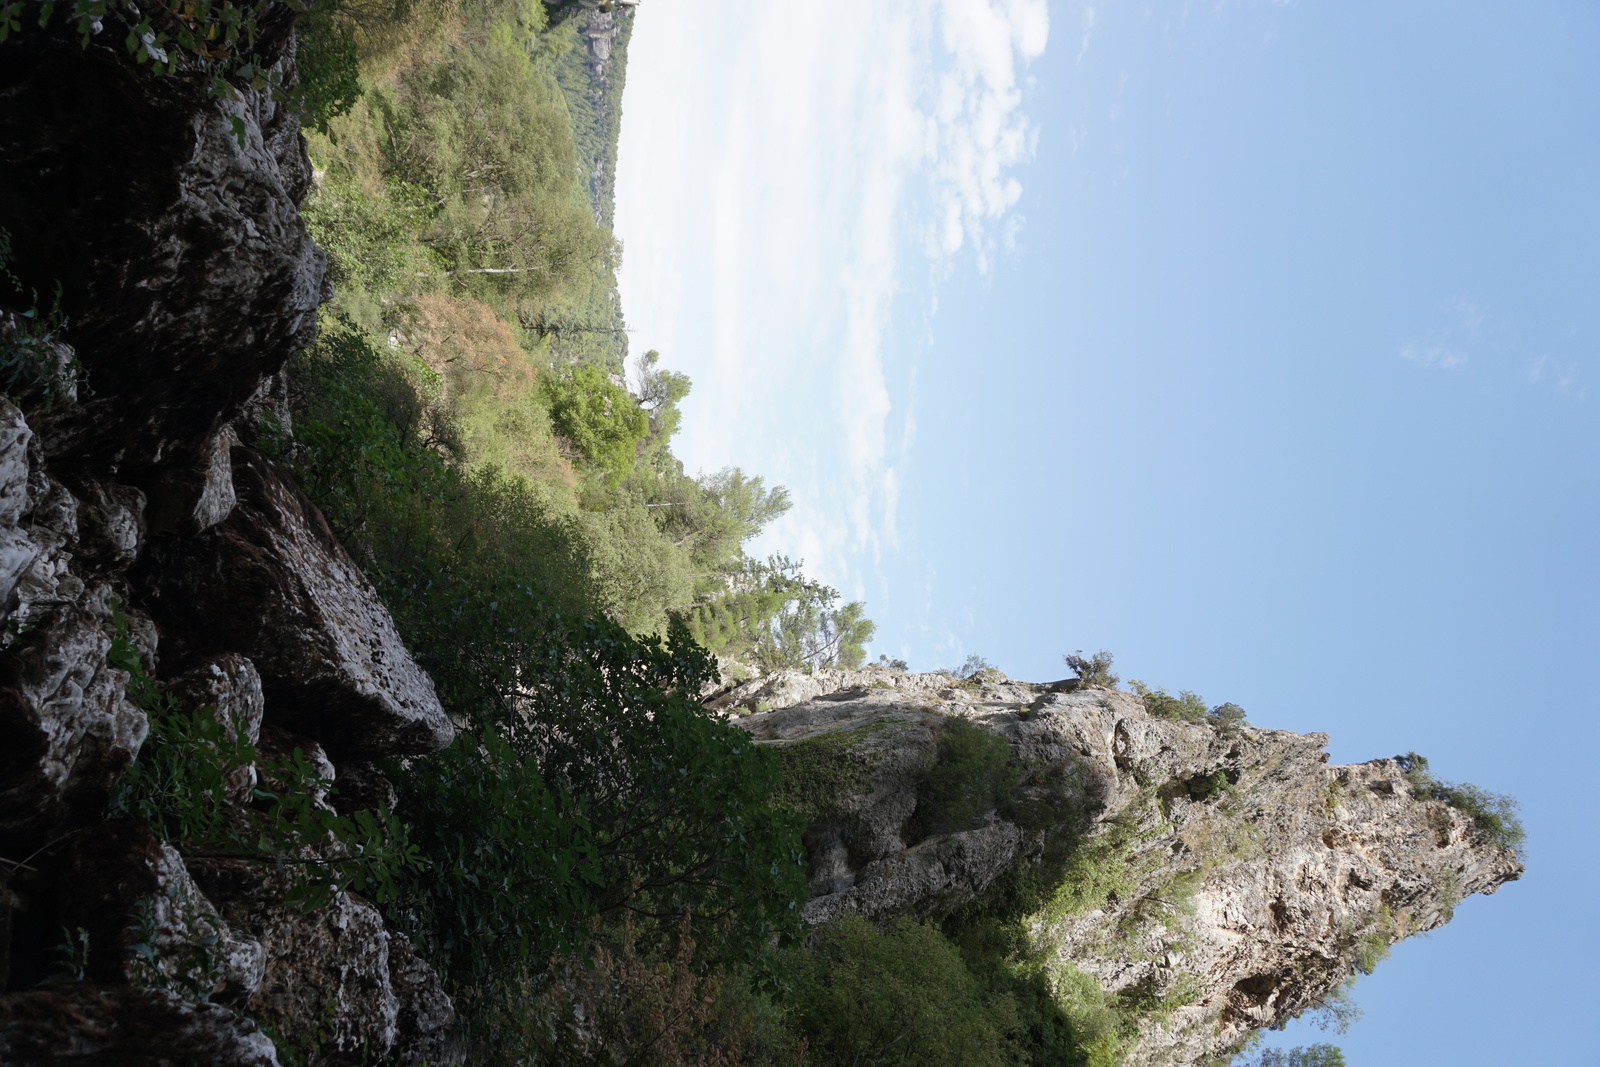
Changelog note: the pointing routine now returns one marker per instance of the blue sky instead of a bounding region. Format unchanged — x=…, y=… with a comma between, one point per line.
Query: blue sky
x=1256, y=342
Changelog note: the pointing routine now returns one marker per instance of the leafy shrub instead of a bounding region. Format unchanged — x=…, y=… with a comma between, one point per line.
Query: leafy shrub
x=1092, y=670
x=974, y=667
x=620, y=1005
x=32, y=370
x=896, y=996
x=1493, y=813
x=1189, y=706
x=970, y=777
x=598, y=416
x=819, y=772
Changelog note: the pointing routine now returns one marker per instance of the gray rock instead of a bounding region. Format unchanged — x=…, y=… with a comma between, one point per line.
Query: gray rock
x=81, y=1025
x=272, y=583
x=1248, y=871
x=335, y=979
x=189, y=278
x=110, y=524
x=147, y=921
x=67, y=730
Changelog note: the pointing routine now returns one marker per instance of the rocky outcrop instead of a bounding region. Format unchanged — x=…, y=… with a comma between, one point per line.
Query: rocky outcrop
x=151, y=564
x=271, y=581
x=95, y=1026
x=1228, y=877
x=186, y=273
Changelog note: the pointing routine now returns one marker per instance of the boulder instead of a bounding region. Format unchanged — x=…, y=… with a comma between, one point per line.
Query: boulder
x=147, y=922
x=272, y=583
x=67, y=730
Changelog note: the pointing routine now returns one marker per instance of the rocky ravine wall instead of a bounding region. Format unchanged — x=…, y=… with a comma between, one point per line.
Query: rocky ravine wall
x=188, y=278
x=1249, y=895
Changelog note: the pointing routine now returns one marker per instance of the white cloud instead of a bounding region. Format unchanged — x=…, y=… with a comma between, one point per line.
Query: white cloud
x=1558, y=374
x=1435, y=356
x=1446, y=348
x=793, y=181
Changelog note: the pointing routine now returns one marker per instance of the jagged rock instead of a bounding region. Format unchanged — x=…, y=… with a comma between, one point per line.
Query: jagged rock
x=335, y=978
x=362, y=787
x=186, y=273
x=147, y=922
x=195, y=491
x=187, y=279
x=426, y=1013
x=110, y=524
x=17, y=549
x=1248, y=872
x=67, y=730
x=81, y=1025
x=272, y=583
x=783, y=689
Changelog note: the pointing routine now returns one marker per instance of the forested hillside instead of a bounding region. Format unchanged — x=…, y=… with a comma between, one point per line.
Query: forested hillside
x=469, y=263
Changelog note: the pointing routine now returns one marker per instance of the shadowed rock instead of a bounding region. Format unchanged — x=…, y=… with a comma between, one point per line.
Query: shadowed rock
x=89, y=1026
x=271, y=582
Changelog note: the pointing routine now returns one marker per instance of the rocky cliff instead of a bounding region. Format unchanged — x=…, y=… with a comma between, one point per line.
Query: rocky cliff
x=150, y=557
x=1212, y=880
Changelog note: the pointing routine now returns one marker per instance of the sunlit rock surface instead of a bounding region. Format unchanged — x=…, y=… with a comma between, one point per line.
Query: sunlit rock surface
x=1256, y=874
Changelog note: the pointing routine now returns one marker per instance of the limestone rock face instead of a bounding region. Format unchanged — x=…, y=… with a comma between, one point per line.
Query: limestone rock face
x=1248, y=874
x=187, y=275
x=272, y=582
x=67, y=730
x=148, y=923
x=153, y=568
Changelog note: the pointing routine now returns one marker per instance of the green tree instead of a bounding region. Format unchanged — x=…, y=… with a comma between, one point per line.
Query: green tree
x=601, y=418
x=901, y=996
x=776, y=617
x=1092, y=670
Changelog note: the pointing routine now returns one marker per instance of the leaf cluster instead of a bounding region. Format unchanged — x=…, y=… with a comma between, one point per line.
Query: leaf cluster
x=225, y=44
x=1493, y=813
x=1189, y=706
x=1092, y=670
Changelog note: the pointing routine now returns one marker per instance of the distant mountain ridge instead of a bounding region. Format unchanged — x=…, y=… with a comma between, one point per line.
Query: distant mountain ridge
x=591, y=78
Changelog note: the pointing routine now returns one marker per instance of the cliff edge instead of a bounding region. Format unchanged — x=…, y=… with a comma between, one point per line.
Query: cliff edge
x=1211, y=880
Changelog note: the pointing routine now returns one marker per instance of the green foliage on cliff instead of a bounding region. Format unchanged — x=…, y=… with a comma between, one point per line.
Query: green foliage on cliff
x=1493, y=813
x=181, y=782
x=900, y=996
x=971, y=777
x=585, y=781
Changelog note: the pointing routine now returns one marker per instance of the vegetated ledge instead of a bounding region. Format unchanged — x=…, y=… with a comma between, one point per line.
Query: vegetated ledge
x=1212, y=881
